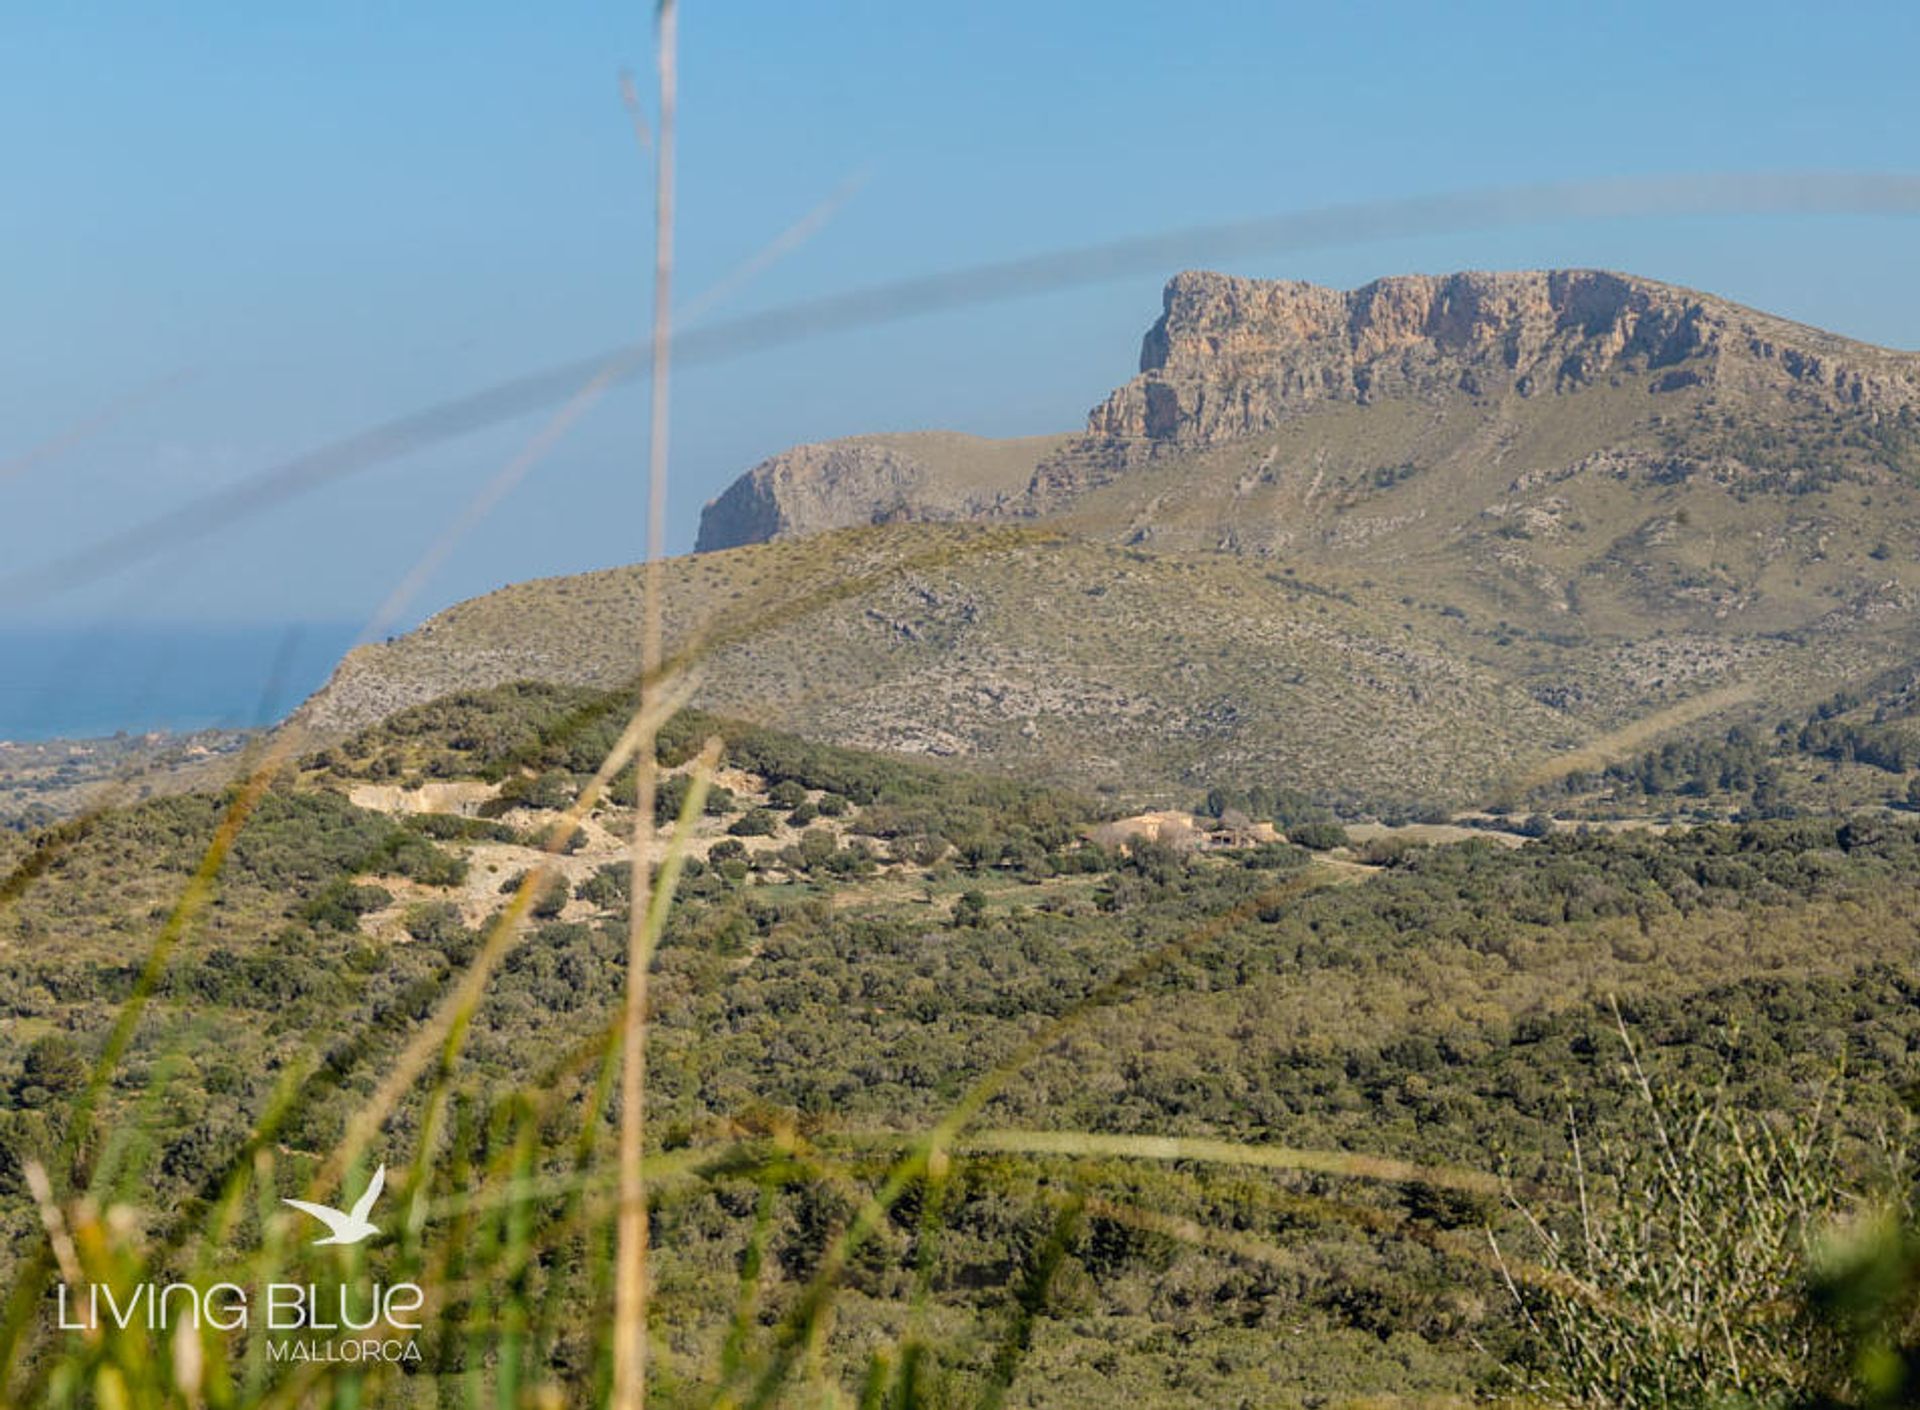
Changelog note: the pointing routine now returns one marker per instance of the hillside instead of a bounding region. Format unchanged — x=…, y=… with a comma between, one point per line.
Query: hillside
x=859, y=941
x=42, y=781
x=1130, y=673
x=1418, y=544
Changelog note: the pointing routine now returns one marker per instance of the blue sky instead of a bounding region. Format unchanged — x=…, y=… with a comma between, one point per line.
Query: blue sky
x=320, y=216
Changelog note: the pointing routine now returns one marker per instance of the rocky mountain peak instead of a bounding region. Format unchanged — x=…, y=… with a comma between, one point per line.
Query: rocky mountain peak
x=1231, y=357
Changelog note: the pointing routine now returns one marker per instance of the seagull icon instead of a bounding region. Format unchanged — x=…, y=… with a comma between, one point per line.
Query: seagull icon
x=349, y=1228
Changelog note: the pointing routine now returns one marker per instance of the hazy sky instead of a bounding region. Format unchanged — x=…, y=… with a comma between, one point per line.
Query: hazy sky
x=237, y=231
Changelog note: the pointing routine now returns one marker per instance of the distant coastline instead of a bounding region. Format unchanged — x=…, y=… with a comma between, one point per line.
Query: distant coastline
x=95, y=679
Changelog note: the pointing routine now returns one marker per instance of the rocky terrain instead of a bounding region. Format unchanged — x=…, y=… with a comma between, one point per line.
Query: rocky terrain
x=929, y=475
x=1406, y=544
x=1231, y=359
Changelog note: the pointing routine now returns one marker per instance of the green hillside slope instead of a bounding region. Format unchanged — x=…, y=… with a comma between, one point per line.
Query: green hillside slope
x=859, y=943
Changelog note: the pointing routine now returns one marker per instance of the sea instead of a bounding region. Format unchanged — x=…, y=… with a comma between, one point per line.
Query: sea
x=102, y=678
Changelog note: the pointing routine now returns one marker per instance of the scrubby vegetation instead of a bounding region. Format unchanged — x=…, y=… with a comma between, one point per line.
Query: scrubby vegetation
x=1854, y=749
x=1192, y=1065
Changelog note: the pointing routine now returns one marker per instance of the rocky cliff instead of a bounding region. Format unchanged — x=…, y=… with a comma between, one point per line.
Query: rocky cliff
x=925, y=476
x=1233, y=357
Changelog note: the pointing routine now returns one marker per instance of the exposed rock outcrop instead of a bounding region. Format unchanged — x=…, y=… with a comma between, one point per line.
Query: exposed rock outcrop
x=832, y=485
x=1232, y=357
x=926, y=476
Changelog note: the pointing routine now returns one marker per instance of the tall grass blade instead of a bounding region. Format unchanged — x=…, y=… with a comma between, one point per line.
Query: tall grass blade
x=630, y=1277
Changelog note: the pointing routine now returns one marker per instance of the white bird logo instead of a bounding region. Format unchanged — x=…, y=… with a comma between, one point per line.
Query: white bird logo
x=349, y=1228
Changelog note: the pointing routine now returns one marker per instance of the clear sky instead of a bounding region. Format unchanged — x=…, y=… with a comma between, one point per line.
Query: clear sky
x=238, y=231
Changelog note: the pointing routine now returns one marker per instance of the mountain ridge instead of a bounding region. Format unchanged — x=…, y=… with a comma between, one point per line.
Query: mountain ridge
x=1541, y=329
x=1231, y=357
x=1411, y=544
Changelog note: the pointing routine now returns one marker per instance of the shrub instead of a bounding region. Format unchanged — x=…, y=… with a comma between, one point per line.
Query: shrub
x=433, y=922
x=423, y=862
x=449, y=827
x=549, y=790
x=815, y=846
x=1683, y=1280
x=548, y=901
x=52, y=1069
x=917, y=849
x=1275, y=856
x=671, y=796
x=340, y=905
x=608, y=888
x=1317, y=836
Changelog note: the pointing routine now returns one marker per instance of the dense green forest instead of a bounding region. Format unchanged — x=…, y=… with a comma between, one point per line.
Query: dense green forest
x=858, y=946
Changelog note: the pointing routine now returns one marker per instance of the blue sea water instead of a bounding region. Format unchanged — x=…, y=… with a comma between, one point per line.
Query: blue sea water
x=100, y=678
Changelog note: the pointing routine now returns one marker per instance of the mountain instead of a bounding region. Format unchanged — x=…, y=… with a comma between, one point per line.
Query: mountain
x=1231, y=360
x=1127, y=1097
x=926, y=475
x=1418, y=543
x=1233, y=357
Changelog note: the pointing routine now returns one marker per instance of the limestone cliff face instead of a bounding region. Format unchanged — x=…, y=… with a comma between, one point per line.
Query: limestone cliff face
x=810, y=488
x=1232, y=357
x=930, y=476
